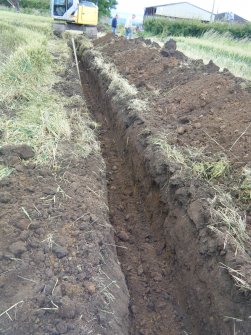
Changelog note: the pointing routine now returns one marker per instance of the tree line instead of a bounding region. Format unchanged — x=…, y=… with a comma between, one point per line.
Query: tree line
x=105, y=6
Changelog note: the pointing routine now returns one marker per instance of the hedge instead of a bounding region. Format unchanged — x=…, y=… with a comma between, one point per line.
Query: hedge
x=165, y=26
x=37, y=4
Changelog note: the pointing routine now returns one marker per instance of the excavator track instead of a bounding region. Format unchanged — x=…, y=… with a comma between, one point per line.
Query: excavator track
x=61, y=27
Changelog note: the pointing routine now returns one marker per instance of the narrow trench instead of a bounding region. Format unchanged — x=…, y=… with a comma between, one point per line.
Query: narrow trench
x=142, y=252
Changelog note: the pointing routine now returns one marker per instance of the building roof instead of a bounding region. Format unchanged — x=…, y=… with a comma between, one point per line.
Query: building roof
x=237, y=18
x=178, y=3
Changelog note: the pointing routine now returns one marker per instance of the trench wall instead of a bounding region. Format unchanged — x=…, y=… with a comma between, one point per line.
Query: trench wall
x=178, y=206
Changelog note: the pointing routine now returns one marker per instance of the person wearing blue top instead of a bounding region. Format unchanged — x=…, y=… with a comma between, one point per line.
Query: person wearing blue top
x=114, y=24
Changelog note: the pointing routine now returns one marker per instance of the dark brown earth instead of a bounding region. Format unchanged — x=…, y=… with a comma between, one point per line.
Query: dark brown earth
x=154, y=307
x=58, y=270
x=170, y=258
x=211, y=106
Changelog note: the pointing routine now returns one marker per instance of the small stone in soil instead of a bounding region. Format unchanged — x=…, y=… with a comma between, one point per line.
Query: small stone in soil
x=161, y=305
x=90, y=287
x=68, y=309
x=133, y=309
x=181, y=130
x=21, y=224
x=140, y=270
x=17, y=248
x=49, y=190
x=59, y=251
x=62, y=327
x=197, y=125
x=157, y=277
x=123, y=236
x=5, y=197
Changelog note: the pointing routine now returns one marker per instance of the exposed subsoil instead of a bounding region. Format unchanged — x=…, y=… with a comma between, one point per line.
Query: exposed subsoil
x=141, y=247
x=211, y=106
x=171, y=260
x=58, y=270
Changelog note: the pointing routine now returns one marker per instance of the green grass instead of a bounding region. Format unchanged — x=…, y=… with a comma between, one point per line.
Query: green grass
x=5, y=171
x=21, y=29
x=245, y=185
x=41, y=24
x=225, y=51
x=38, y=4
x=229, y=46
x=212, y=170
x=167, y=27
x=31, y=111
x=227, y=219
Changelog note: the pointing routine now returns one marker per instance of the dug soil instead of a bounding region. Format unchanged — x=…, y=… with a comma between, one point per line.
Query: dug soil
x=212, y=107
x=171, y=260
x=141, y=248
x=59, y=273
x=118, y=242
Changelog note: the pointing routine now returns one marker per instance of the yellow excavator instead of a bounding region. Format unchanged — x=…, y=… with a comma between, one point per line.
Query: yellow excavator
x=75, y=15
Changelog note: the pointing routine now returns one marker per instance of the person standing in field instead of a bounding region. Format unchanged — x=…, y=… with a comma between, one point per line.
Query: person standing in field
x=114, y=24
x=129, y=26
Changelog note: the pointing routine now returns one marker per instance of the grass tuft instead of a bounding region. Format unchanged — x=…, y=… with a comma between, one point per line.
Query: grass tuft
x=226, y=218
x=171, y=151
x=119, y=87
x=245, y=186
x=210, y=170
x=194, y=160
x=5, y=171
x=240, y=279
x=225, y=214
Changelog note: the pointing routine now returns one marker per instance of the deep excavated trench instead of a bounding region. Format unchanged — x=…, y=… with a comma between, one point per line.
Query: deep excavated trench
x=141, y=246
x=174, y=282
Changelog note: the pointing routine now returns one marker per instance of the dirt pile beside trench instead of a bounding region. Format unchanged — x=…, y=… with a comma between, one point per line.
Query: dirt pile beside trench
x=213, y=107
x=170, y=222
x=59, y=272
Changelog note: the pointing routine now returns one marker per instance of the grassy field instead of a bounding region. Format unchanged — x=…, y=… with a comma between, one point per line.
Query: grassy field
x=227, y=45
x=222, y=49
x=32, y=112
x=194, y=28
x=226, y=52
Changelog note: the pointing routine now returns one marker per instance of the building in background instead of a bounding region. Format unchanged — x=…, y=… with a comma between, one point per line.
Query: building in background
x=230, y=17
x=180, y=10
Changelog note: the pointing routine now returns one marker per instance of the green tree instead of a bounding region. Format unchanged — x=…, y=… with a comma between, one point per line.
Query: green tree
x=38, y=4
x=105, y=7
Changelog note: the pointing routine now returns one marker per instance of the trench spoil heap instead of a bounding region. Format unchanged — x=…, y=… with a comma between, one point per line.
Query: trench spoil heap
x=59, y=273
x=164, y=105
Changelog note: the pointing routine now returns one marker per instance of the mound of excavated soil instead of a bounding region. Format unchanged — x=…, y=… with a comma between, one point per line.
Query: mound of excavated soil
x=167, y=240
x=59, y=272
x=212, y=107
